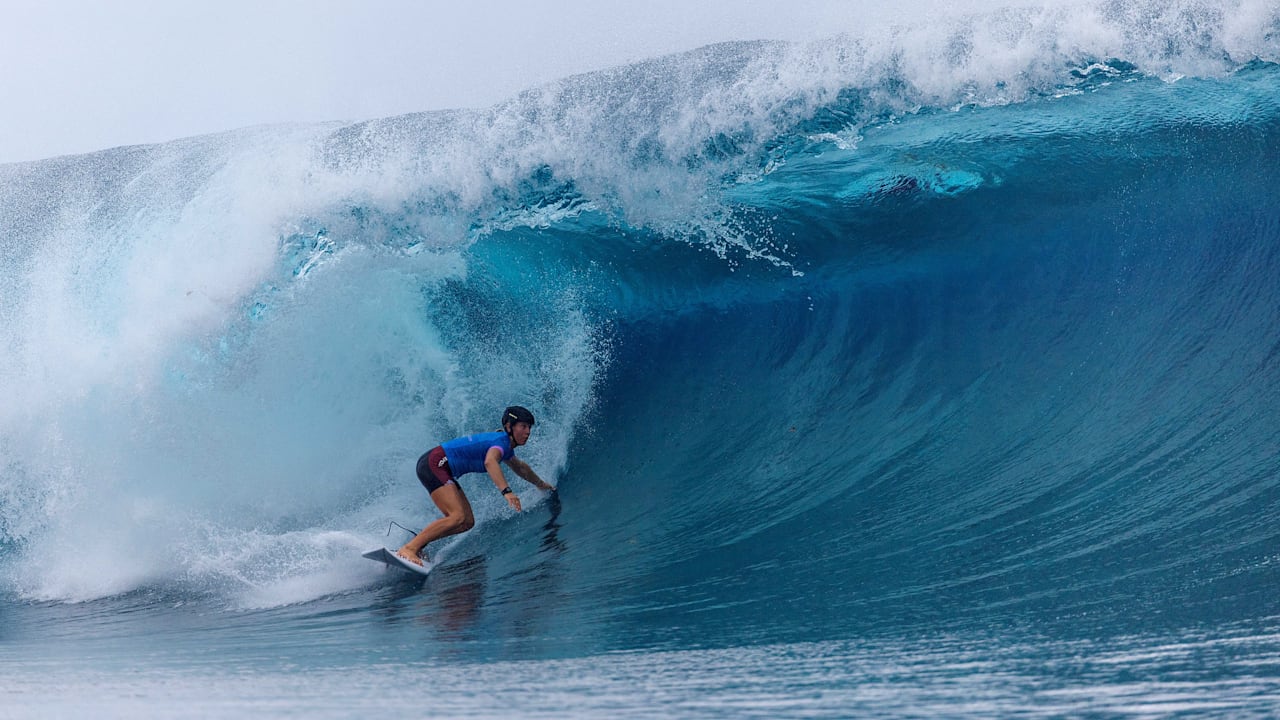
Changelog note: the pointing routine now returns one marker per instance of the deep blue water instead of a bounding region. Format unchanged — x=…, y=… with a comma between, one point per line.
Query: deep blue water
x=913, y=394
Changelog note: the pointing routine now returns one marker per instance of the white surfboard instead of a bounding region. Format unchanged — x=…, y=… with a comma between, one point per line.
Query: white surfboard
x=391, y=559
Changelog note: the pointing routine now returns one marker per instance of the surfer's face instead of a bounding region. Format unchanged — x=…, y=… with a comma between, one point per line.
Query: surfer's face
x=520, y=433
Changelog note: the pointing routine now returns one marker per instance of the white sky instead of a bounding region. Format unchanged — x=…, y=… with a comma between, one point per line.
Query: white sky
x=82, y=75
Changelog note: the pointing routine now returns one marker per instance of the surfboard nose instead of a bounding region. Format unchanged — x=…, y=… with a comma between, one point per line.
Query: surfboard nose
x=391, y=559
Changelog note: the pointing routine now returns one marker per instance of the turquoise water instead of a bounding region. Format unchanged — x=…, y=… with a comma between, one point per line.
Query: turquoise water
x=937, y=674
x=932, y=371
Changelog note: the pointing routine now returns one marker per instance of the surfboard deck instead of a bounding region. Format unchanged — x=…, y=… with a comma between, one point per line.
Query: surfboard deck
x=391, y=559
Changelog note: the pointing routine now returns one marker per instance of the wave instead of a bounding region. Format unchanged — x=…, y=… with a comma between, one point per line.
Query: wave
x=973, y=315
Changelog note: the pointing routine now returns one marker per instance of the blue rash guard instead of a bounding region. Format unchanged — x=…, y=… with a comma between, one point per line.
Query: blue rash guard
x=466, y=454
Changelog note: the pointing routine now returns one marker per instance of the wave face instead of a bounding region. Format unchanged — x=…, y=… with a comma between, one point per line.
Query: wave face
x=947, y=326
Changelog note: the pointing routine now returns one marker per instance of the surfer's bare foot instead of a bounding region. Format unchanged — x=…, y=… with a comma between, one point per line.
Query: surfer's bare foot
x=410, y=556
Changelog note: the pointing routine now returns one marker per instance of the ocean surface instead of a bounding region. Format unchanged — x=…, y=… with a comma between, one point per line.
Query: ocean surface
x=928, y=370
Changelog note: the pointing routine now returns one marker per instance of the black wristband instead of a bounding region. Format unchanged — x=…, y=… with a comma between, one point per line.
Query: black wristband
x=506, y=490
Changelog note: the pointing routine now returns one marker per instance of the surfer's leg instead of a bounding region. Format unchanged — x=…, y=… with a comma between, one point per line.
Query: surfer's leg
x=457, y=518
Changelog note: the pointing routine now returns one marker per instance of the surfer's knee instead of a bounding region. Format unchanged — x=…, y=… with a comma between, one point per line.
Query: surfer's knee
x=462, y=522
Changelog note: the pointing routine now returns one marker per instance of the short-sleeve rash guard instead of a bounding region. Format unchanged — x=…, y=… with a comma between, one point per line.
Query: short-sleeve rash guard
x=466, y=454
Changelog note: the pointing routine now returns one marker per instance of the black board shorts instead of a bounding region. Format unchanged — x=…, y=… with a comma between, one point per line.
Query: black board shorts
x=433, y=470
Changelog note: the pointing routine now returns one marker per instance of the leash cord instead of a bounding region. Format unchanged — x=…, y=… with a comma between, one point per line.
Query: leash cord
x=393, y=522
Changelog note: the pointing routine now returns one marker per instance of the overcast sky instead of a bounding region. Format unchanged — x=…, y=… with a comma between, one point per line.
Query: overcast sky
x=82, y=75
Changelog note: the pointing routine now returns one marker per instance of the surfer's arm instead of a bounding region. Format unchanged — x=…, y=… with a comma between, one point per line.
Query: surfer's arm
x=522, y=469
x=493, y=466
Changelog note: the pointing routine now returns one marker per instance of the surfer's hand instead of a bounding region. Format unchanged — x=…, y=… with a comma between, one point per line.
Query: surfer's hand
x=513, y=501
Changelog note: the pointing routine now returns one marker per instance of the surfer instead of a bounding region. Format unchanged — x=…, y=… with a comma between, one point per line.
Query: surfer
x=440, y=467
